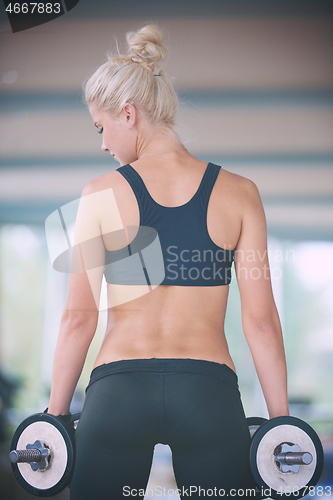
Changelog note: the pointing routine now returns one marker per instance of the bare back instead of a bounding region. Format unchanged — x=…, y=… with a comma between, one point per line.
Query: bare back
x=173, y=321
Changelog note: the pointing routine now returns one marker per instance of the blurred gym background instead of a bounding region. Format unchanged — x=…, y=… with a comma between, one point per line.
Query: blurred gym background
x=255, y=80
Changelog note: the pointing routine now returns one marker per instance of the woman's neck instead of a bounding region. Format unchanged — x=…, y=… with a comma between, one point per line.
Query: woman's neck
x=157, y=141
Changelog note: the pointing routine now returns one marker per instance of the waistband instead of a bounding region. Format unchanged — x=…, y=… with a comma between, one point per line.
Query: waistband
x=163, y=366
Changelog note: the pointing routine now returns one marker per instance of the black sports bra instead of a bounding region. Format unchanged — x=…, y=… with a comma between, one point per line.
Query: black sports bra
x=172, y=245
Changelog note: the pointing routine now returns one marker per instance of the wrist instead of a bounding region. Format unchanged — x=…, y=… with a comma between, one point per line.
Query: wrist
x=279, y=413
x=57, y=411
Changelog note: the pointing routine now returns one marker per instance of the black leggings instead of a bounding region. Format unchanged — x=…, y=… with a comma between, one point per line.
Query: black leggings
x=192, y=405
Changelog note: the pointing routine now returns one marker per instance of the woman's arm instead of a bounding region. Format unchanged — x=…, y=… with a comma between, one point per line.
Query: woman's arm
x=260, y=318
x=77, y=330
x=80, y=316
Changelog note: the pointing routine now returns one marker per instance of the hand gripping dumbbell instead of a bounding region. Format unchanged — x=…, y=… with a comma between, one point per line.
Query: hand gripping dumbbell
x=286, y=456
x=43, y=453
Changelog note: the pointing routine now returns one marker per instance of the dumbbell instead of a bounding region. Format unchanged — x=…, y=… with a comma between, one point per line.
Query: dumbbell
x=43, y=453
x=286, y=456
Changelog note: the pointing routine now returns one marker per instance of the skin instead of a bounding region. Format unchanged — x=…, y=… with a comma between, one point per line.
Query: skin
x=170, y=321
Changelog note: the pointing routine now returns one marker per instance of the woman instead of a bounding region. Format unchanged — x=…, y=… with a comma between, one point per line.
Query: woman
x=164, y=372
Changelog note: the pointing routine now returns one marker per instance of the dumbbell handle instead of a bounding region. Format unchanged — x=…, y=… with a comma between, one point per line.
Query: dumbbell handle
x=25, y=456
x=294, y=458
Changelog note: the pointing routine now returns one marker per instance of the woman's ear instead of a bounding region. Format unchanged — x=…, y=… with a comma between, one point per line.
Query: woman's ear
x=129, y=115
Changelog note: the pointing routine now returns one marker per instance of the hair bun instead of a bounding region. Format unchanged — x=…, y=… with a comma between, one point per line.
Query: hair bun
x=146, y=44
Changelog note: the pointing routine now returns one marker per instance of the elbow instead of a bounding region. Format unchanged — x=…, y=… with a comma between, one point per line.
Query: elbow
x=78, y=321
x=266, y=326
x=261, y=316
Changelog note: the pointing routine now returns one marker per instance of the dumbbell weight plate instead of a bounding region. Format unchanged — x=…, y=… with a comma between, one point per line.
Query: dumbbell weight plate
x=264, y=468
x=50, y=432
x=254, y=423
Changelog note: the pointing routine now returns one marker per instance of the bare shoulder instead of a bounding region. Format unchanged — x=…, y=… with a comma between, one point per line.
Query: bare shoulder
x=99, y=209
x=102, y=182
x=237, y=183
x=238, y=189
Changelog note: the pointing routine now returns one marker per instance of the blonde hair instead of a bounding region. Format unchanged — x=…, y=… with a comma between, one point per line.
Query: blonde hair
x=137, y=78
